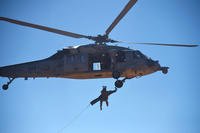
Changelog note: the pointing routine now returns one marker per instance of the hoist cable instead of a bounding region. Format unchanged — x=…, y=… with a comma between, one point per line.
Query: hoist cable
x=74, y=119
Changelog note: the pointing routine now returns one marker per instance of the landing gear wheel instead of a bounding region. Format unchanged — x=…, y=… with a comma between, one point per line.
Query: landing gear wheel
x=119, y=83
x=5, y=87
x=116, y=74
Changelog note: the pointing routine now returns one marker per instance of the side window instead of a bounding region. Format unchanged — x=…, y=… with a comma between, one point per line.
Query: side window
x=75, y=59
x=96, y=66
x=72, y=58
x=82, y=59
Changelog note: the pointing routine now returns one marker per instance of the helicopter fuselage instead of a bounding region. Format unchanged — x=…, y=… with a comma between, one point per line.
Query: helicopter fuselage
x=86, y=62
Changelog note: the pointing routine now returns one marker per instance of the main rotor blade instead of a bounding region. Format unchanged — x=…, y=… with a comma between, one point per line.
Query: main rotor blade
x=57, y=31
x=121, y=15
x=162, y=44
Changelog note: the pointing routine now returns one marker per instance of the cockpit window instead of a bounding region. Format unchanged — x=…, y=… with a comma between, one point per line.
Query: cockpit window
x=135, y=55
x=138, y=54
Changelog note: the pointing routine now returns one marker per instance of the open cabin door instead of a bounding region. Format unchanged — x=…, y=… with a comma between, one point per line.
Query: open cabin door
x=99, y=62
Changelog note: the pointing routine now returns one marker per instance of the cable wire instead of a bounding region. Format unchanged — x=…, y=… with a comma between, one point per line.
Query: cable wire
x=74, y=119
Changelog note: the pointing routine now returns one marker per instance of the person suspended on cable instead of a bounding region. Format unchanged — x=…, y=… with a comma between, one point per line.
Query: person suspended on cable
x=103, y=97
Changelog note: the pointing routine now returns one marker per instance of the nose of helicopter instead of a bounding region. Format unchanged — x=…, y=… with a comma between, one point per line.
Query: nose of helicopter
x=155, y=66
x=151, y=63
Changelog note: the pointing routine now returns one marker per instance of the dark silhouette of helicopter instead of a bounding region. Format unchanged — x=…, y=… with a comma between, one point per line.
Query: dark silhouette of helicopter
x=97, y=60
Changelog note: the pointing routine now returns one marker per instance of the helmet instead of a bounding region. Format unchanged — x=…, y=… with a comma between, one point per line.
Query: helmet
x=104, y=86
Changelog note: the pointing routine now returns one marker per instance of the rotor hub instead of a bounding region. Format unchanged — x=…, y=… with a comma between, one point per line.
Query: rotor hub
x=102, y=39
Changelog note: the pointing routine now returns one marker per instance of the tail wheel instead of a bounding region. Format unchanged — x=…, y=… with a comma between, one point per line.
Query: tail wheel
x=116, y=74
x=5, y=87
x=119, y=83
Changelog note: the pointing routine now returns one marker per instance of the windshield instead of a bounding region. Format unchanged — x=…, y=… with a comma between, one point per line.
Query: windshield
x=138, y=54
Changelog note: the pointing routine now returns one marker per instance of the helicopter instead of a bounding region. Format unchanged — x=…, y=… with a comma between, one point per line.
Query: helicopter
x=90, y=61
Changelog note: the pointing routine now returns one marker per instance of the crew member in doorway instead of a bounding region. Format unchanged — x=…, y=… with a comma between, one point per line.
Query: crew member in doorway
x=103, y=97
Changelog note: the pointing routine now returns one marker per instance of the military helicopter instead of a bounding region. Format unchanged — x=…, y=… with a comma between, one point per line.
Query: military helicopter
x=96, y=60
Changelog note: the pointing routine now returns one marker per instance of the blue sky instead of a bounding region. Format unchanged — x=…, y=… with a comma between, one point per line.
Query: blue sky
x=155, y=103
